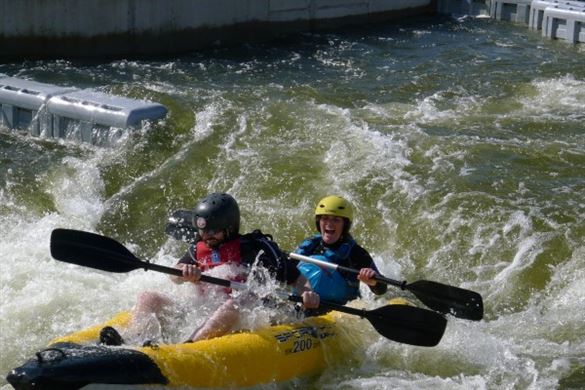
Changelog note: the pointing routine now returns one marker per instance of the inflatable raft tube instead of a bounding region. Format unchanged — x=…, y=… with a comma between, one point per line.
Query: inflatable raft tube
x=273, y=354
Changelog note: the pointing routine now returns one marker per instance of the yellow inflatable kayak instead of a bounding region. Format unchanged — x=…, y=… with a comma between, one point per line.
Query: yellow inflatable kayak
x=270, y=355
x=273, y=354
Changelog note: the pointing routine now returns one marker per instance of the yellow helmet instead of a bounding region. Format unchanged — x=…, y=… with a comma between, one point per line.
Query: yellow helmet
x=334, y=205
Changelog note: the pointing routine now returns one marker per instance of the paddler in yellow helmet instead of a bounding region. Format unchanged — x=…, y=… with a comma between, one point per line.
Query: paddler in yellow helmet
x=334, y=243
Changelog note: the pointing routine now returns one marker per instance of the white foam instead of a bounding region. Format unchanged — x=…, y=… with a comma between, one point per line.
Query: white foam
x=560, y=98
x=78, y=191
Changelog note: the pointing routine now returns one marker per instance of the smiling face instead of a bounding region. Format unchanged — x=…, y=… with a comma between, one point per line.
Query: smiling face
x=331, y=228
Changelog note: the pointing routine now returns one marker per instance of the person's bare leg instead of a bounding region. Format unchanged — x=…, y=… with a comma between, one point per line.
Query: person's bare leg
x=220, y=322
x=144, y=323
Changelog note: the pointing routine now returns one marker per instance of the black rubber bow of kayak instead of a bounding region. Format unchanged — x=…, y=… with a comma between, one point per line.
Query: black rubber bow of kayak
x=440, y=297
x=400, y=323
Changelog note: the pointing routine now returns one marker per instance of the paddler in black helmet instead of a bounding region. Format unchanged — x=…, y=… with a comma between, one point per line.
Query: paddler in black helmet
x=334, y=243
x=218, y=242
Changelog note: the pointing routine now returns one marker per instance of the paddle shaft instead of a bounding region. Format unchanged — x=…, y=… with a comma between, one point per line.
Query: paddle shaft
x=137, y=263
x=325, y=264
x=333, y=306
x=204, y=278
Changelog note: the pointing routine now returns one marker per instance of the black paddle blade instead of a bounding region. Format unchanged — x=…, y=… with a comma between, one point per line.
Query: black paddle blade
x=408, y=324
x=401, y=323
x=448, y=299
x=92, y=250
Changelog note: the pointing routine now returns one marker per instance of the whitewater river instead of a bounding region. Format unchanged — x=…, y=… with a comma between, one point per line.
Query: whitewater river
x=461, y=144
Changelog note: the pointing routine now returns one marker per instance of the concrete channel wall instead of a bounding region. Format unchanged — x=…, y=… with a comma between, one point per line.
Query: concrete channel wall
x=113, y=28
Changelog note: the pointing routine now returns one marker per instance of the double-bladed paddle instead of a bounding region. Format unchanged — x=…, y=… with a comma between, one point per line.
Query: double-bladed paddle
x=437, y=296
x=401, y=323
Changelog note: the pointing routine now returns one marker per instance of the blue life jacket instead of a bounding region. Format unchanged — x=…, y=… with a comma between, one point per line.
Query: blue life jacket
x=329, y=284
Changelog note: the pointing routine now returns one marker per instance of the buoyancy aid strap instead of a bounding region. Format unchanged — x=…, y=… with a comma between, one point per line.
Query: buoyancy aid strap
x=268, y=246
x=193, y=252
x=264, y=241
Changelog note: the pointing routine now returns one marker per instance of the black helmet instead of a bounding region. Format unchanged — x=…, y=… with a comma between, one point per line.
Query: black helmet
x=218, y=211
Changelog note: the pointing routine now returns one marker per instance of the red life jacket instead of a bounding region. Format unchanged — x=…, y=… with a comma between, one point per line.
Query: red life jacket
x=229, y=252
x=208, y=258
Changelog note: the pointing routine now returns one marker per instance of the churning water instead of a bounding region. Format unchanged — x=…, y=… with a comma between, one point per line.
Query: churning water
x=461, y=144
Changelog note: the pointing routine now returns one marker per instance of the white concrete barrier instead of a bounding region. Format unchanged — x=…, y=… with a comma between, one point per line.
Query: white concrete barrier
x=85, y=111
x=23, y=104
x=564, y=23
x=511, y=10
x=64, y=112
x=561, y=19
x=537, y=8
